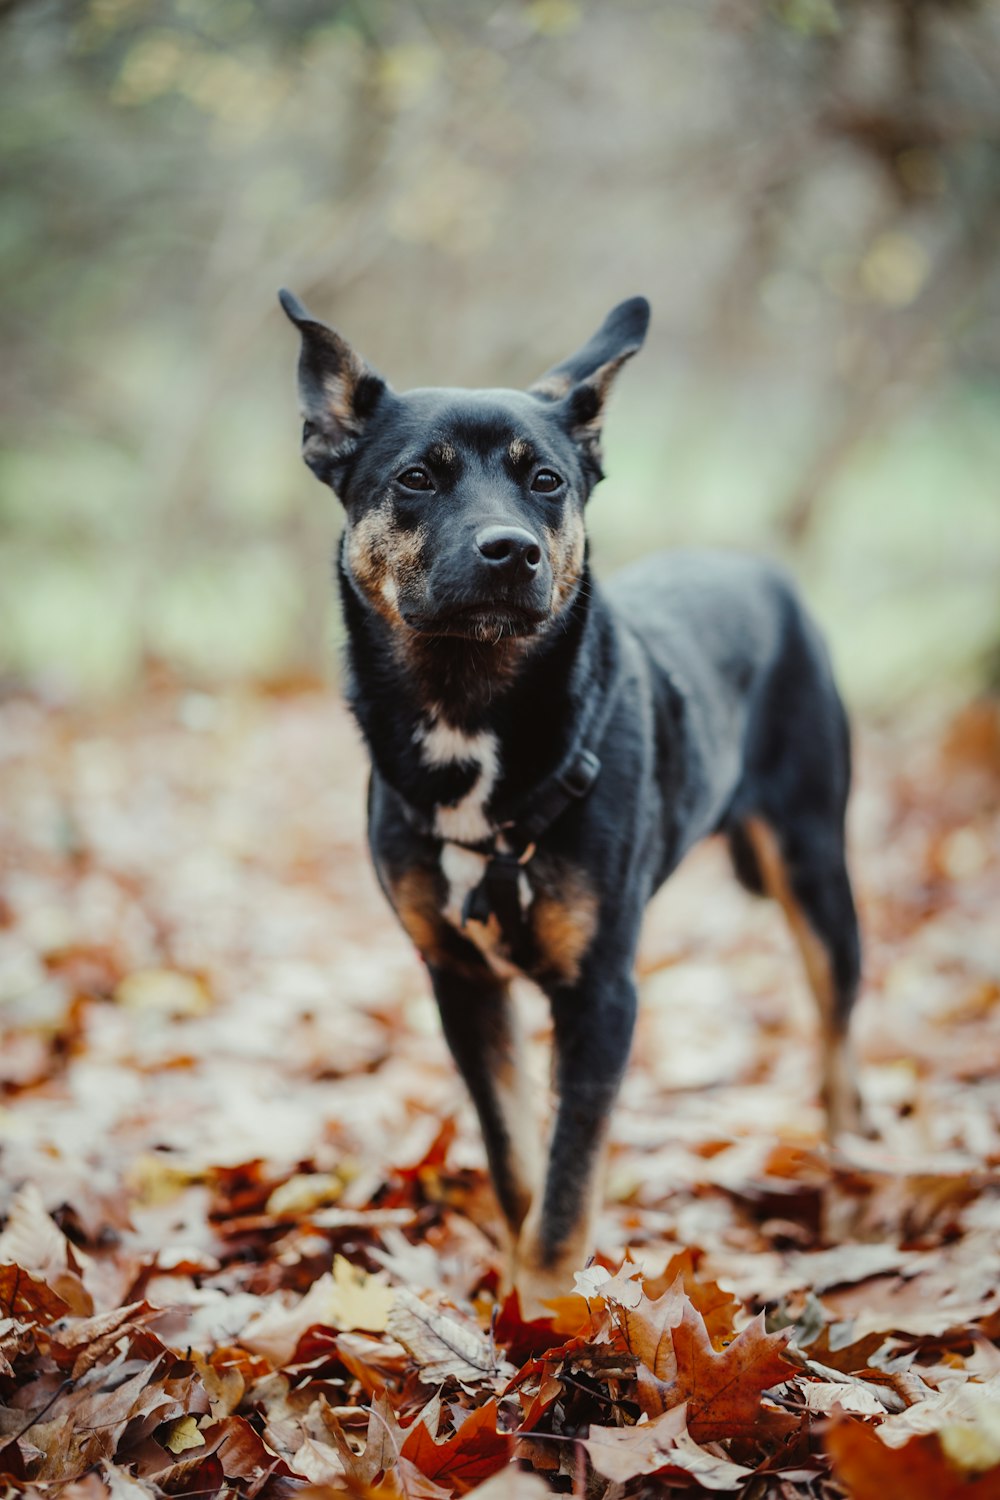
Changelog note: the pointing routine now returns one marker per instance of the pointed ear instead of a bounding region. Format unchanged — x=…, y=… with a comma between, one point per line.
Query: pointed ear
x=338, y=393
x=580, y=384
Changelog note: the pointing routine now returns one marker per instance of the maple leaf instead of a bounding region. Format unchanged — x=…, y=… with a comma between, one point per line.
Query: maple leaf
x=647, y=1327
x=472, y=1453
x=717, y=1307
x=722, y=1388
x=869, y=1470
x=382, y=1445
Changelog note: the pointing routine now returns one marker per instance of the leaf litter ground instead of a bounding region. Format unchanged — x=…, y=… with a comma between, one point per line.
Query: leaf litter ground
x=248, y=1243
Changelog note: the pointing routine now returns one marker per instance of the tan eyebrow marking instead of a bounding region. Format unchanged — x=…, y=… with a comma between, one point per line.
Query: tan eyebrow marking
x=519, y=451
x=442, y=453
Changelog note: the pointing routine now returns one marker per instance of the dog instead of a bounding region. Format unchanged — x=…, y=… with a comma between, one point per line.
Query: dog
x=544, y=749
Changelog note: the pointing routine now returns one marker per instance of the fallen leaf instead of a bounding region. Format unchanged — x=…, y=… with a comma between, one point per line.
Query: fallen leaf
x=442, y=1345
x=304, y=1192
x=165, y=991
x=470, y=1454
x=183, y=1434
x=345, y=1298
x=722, y=1388
x=661, y=1446
x=869, y=1470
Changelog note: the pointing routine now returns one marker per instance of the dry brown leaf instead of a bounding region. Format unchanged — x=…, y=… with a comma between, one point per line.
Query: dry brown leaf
x=722, y=1389
x=443, y=1346
x=512, y=1483
x=657, y=1447
x=31, y=1240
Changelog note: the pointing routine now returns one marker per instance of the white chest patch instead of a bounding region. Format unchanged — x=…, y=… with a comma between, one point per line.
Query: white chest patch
x=442, y=744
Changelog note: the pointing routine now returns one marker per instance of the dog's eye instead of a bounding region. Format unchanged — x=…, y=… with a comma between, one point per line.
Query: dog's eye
x=546, y=481
x=416, y=479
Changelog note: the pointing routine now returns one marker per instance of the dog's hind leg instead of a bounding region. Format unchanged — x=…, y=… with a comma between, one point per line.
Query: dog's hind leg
x=809, y=878
x=482, y=1029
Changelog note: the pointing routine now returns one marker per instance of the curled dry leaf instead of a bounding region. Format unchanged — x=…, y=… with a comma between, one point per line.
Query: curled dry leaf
x=657, y=1447
x=859, y=1399
x=443, y=1345
x=32, y=1240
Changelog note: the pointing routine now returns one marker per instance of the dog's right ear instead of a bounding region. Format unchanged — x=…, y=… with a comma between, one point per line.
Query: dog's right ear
x=338, y=393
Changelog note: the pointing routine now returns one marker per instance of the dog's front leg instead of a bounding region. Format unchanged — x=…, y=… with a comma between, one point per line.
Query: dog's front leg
x=593, y=1021
x=482, y=1029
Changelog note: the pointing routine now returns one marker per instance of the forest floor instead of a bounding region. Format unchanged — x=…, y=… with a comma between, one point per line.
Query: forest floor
x=249, y=1245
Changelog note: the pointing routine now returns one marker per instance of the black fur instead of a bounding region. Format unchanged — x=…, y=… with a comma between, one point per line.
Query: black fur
x=473, y=673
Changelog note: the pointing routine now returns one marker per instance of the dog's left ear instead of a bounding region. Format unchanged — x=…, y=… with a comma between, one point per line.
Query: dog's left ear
x=338, y=392
x=580, y=384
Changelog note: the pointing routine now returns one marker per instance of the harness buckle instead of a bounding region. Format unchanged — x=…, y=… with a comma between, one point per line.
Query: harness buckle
x=578, y=778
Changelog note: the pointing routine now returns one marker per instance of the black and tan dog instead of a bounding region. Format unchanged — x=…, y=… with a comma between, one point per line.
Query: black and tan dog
x=544, y=751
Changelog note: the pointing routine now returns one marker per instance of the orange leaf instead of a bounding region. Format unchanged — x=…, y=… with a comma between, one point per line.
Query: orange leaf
x=523, y=1337
x=722, y=1388
x=471, y=1454
x=869, y=1470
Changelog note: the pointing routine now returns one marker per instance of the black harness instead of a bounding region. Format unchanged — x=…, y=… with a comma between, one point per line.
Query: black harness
x=518, y=831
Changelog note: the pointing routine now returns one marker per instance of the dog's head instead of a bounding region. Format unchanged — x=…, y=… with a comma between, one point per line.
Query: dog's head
x=464, y=507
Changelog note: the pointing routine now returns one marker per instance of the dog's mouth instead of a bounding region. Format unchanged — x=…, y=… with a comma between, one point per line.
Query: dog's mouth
x=487, y=621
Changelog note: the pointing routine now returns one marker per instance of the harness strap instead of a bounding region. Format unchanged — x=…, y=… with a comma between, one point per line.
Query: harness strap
x=498, y=892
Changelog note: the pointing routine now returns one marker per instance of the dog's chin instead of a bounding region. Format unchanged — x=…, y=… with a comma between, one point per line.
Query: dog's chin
x=486, y=623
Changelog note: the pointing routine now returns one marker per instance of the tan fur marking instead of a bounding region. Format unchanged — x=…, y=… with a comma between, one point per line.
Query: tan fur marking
x=839, y=1087
x=551, y=387
x=564, y=926
x=416, y=899
x=518, y=1109
x=443, y=453
x=519, y=451
x=384, y=559
x=566, y=548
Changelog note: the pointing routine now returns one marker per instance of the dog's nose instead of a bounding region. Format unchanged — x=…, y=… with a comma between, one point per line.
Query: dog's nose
x=509, y=550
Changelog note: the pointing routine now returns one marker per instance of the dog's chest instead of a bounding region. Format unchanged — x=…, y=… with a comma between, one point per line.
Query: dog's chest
x=466, y=821
x=558, y=904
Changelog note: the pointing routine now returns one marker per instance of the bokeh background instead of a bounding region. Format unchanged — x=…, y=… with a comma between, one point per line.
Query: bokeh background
x=807, y=190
